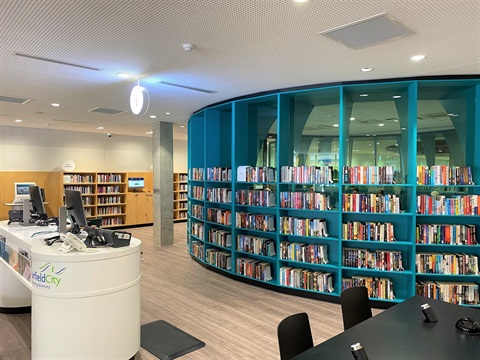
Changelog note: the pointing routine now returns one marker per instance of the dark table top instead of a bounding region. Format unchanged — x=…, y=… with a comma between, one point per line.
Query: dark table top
x=401, y=333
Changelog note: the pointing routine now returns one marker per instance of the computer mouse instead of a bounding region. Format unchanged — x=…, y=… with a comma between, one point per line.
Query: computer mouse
x=468, y=325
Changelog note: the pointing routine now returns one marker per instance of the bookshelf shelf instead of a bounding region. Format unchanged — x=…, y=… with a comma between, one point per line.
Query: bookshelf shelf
x=314, y=150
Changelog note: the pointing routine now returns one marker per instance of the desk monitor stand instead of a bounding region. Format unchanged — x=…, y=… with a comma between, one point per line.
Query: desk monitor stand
x=62, y=219
x=26, y=212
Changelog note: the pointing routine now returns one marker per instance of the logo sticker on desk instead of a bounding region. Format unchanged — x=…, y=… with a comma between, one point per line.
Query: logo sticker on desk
x=47, y=277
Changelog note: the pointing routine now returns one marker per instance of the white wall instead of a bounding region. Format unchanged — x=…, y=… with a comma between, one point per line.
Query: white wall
x=27, y=149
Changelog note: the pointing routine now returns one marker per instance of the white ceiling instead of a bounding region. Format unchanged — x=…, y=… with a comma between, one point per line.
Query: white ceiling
x=240, y=47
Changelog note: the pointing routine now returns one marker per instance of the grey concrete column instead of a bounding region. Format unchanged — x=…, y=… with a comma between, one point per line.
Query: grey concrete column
x=162, y=183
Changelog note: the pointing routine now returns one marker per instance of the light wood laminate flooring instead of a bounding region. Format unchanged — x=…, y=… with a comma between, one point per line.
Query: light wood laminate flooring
x=235, y=320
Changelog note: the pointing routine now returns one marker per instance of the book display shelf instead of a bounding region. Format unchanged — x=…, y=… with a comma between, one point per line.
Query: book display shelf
x=316, y=190
x=180, y=198
x=103, y=195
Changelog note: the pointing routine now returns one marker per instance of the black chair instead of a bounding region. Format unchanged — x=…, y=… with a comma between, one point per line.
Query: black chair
x=355, y=306
x=294, y=335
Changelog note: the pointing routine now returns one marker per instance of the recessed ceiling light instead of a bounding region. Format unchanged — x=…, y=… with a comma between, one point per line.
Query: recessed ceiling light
x=404, y=128
x=367, y=134
x=417, y=57
x=149, y=132
x=182, y=126
x=335, y=125
x=18, y=121
x=55, y=104
x=100, y=128
x=363, y=95
x=153, y=116
x=452, y=114
x=381, y=124
x=300, y=1
x=167, y=113
x=366, y=69
x=396, y=96
x=123, y=74
x=352, y=118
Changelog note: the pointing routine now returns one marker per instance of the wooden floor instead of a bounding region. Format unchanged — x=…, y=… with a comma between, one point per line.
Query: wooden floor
x=234, y=319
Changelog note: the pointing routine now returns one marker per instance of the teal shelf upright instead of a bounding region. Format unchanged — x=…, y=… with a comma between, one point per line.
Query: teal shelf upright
x=310, y=191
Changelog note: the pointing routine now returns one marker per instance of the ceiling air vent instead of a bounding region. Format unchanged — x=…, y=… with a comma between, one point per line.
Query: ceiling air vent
x=106, y=111
x=187, y=87
x=14, y=100
x=34, y=57
x=367, y=32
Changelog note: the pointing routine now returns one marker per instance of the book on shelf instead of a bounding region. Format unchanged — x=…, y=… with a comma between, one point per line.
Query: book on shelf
x=307, y=174
x=368, y=175
x=219, y=174
x=220, y=237
x=301, y=252
x=247, y=173
x=444, y=175
x=264, y=198
x=303, y=226
x=375, y=260
x=256, y=269
x=461, y=293
x=220, y=259
x=446, y=263
x=306, y=279
x=262, y=222
x=441, y=205
x=256, y=245
x=449, y=234
x=220, y=195
x=368, y=231
x=305, y=200
x=378, y=288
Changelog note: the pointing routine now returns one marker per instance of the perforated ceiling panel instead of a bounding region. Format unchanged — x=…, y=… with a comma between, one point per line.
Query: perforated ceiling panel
x=240, y=47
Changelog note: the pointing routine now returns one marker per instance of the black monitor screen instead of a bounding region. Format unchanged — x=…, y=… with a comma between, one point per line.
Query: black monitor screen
x=134, y=183
x=74, y=204
x=37, y=202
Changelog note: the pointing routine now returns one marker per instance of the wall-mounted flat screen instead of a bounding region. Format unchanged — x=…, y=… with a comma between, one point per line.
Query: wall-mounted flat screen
x=136, y=183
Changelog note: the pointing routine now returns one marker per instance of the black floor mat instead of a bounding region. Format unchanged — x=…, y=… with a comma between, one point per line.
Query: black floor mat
x=167, y=342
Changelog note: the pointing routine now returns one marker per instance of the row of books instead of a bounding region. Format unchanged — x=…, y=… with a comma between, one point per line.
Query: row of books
x=256, y=269
x=387, y=204
x=461, y=293
x=256, y=174
x=308, y=253
x=109, y=189
x=219, y=174
x=444, y=175
x=220, y=237
x=368, y=231
x=103, y=200
x=220, y=216
x=306, y=279
x=77, y=178
x=305, y=200
x=198, y=230
x=196, y=174
x=197, y=192
x=197, y=211
x=368, y=175
x=83, y=189
x=377, y=260
x=109, y=210
x=441, y=205
x=220, y=259
x=455, y=234
x=262, y=222
x=446, y=263
x=220, y=195
x=256, y=245
x=255, y=197
x=307, y=174
x=107, y=178
x=111, y=221
x=182, y=177
x=197, y=249
x=378, y=288
x=303, y=227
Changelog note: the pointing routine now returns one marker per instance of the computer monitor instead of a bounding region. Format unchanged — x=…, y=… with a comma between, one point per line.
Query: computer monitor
x=22, y=191
x=74, y=205
x=136, y=183
x=36, y=199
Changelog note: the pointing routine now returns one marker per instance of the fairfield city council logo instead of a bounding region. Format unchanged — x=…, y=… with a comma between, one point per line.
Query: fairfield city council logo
x=48, y=276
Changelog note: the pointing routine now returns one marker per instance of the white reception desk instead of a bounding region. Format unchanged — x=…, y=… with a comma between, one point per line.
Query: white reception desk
x=84, y=305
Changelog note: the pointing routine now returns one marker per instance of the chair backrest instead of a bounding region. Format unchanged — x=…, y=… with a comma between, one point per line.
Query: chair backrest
x=294, y=335
x=355, y=306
